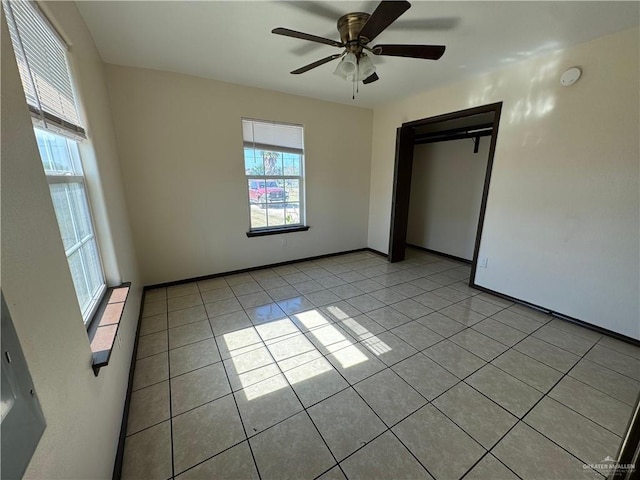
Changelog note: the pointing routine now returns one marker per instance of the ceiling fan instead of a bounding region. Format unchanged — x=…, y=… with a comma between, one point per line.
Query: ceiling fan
x=357, y=30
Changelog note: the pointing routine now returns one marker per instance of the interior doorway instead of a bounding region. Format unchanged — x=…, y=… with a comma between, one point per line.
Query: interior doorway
x=476, y=124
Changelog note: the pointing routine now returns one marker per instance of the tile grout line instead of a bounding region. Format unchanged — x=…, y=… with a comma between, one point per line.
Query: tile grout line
x=349, y=385
x=442, y=286
x=581, y=357
x=521, y=420
x=544, y=394
x=173, y=466
x=420, y=351
x=466, y=328
x=255, y=464
x=304, y=409
x=487, y=451
x=597, y=389
x=389, y=428
x=211, y=401
x=485, y=455
x=563, y=373
x=295, y=393
x=572, y=409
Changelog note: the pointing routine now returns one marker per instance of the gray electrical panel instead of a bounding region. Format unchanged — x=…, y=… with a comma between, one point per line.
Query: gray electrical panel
x=22, y=419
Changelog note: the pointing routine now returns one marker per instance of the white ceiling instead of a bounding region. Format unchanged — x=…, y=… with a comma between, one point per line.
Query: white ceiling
x=231, y=40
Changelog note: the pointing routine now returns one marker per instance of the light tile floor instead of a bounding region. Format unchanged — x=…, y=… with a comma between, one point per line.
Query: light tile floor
x=353, y=367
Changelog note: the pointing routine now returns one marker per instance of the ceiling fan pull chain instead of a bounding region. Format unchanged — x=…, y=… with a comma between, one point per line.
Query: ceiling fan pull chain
x=356, y=75
x=353, y=84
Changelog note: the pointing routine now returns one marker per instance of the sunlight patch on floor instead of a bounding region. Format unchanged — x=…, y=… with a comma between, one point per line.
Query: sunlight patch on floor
x=252, y=351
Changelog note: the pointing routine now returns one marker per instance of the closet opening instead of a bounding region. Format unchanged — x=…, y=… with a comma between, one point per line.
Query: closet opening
x=441, y=183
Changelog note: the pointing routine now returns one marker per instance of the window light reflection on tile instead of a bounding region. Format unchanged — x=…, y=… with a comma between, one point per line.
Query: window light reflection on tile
x=265, y=387
x=256, y=376
x=337, y=312
x=298, y=360
x=331, y=338
x=277, y=329
x=309, y=370
x=376, y=346
x=251, y=360
x=357, y=329
x=350, y=356
x=240, y=341
x=256, y=373
x=290, y=347
x=311, y=319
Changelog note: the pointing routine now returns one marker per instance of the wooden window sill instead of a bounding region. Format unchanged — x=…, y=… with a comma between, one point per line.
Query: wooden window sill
x=105, y=323
x=277, y=231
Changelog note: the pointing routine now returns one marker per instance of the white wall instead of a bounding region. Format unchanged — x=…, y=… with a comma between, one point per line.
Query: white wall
x=446, y=192
x=83, y=412
x=180, y=144
x=562, y=220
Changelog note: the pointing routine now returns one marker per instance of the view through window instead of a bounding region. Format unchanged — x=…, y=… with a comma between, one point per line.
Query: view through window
x=61, y=162
x=274, y=166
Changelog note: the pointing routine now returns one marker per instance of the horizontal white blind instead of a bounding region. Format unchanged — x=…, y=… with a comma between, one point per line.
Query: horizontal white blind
x=43, y=68
x=280, y=137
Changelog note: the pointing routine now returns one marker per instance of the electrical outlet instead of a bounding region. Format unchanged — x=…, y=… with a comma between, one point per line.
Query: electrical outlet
x=483, y=262
x=283, y=242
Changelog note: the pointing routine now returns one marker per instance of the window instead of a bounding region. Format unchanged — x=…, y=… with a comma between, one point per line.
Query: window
x=61, y=163
x=41, y=58
x=274, y=168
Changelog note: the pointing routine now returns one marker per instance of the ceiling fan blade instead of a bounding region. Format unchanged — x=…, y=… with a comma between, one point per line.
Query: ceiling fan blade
x=371, y=78
x=315, y=64
x=316, y=8
x=429, y=52
x=383, y=16
x=305, y=36
x=307, y=47
x=440, y=23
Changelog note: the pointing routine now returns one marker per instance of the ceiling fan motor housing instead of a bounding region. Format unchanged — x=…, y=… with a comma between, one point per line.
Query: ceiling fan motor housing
x=349, y=26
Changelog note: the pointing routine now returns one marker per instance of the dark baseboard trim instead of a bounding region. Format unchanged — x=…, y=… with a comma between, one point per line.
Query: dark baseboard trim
x=251, y=269
x=377, y=252
x=561, y=316
x=598, y=329
x=117, y=467
x=435, y=252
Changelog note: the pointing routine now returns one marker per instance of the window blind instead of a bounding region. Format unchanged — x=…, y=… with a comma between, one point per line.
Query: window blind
x=42, y=62
x=262, y=135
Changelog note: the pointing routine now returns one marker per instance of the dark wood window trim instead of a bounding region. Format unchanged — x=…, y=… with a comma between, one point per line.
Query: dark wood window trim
x=103, y=327
x=277, y=231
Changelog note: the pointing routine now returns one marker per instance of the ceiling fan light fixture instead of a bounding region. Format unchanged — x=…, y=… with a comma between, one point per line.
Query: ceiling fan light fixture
x=366, y=68
x=338, y=71
x=348, y=65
